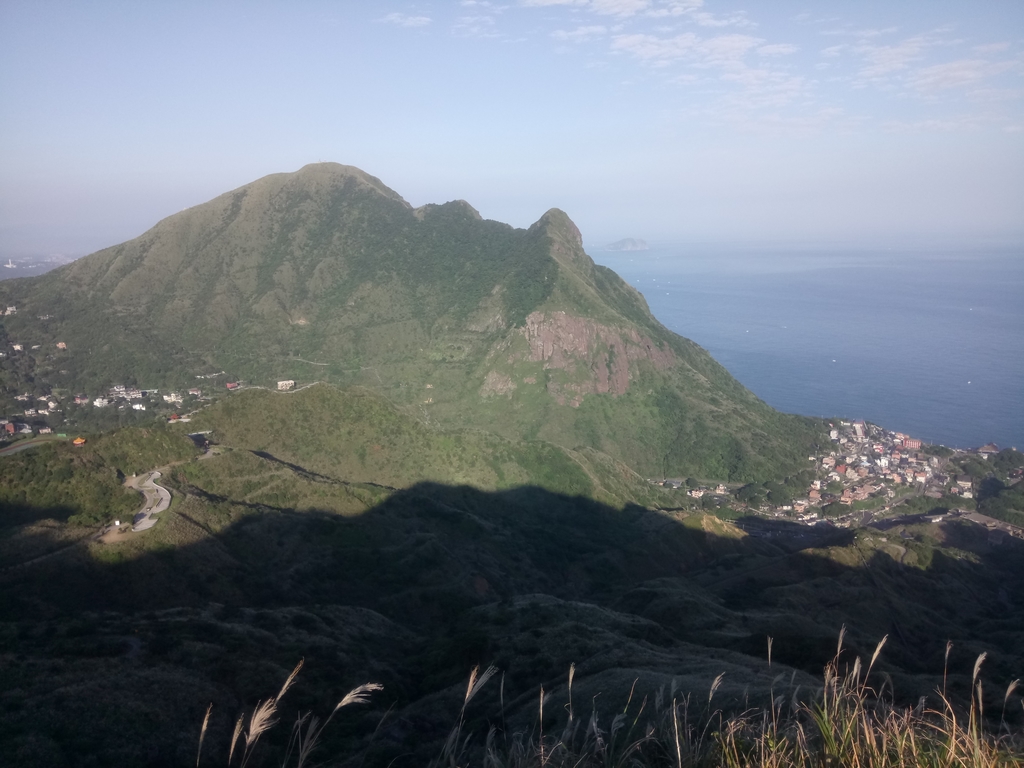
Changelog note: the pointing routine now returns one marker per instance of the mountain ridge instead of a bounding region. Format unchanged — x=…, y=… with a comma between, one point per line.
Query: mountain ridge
x=327, y=273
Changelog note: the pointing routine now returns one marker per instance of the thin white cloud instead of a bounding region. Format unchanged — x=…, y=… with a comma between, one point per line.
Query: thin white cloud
x=580, y=34
x=777, y=49
x=628, y=8
x=657, y=50
x=734, y=75
x=738, y=19
x=405, y=20
x=619, y=7
x=866, y=34
x=546, y=3
x=991, y=48
x=955, y=74
x=954, y=124
x=675, y=8
x=726, y=49
x=690, y=9
x=881, y=61
x=475, y=26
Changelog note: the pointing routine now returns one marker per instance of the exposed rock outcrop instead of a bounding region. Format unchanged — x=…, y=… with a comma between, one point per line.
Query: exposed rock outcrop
x=603, y=357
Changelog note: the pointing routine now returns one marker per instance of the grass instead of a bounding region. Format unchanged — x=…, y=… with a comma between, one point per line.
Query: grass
x=306, y=731
x=848, y=721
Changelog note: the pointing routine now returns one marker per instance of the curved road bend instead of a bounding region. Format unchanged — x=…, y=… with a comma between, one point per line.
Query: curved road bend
x=158, y=499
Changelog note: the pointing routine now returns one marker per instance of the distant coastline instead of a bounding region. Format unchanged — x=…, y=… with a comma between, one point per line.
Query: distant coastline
x=29, y=266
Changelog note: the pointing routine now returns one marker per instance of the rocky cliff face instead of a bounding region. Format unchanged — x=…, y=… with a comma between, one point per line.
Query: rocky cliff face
x=601, y=359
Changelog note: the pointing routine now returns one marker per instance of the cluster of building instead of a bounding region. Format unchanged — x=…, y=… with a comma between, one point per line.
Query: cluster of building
x=17, y=347
x=35, y=407
x=134, y=397
x=864, y=462
x=10, y=428
x=876, y=454
x=870, y=462
x=700, y=491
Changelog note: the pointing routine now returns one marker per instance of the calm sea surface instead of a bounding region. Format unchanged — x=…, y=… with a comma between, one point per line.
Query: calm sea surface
x=929, y=343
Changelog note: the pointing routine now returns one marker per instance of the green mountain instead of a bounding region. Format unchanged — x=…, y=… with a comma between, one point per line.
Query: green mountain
x=328, y=275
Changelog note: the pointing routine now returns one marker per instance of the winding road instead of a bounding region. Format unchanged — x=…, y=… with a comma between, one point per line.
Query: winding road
x=158, y=499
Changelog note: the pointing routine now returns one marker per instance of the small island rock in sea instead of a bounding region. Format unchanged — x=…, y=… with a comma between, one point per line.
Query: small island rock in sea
x=628, y=244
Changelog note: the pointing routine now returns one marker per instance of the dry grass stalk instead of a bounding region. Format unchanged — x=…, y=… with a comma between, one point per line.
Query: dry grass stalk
x=234, y=738
x=358, y=695
x=848, y=723
x=288, y=682
x=202, y=734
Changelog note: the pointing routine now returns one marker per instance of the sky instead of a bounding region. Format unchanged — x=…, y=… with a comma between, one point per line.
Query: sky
x=835, y=123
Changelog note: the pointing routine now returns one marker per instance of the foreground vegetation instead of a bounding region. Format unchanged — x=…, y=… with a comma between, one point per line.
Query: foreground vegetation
x=849, y=720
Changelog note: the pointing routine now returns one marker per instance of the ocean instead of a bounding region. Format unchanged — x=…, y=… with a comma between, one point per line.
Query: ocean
x=930, y=343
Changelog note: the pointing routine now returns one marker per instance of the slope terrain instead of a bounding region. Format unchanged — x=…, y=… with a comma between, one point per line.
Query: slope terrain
x=328, y=275
x=112, y=650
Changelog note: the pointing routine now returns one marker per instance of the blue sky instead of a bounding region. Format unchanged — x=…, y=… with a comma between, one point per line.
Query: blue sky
x=842, y=123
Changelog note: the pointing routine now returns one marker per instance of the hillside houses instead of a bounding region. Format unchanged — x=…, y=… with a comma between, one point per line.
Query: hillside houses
x=988, y=451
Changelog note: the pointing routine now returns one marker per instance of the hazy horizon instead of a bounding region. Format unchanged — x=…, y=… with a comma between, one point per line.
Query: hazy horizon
x=668, y=120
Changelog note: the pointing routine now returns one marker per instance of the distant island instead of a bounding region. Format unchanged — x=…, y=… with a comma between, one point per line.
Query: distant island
x=628, y=244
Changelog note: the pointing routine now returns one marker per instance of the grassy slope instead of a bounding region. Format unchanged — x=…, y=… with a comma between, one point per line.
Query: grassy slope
x=358, y=436
x=326, y=274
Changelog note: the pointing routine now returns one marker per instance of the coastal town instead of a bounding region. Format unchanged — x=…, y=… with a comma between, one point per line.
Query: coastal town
x=866, y=475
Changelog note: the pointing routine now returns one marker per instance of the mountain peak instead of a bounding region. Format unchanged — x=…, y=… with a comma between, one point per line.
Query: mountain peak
x=325, y=175
x=559, y=225
x=327, y=274
x=452, y=205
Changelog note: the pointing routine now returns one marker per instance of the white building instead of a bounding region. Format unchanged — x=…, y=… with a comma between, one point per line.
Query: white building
x=101, y=402
x=285, y=385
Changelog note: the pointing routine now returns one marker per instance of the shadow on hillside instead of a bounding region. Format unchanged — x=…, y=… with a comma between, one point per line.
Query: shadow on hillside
x=15, y=515
x=793, y=536
x=438, y=578
x=430, y=553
